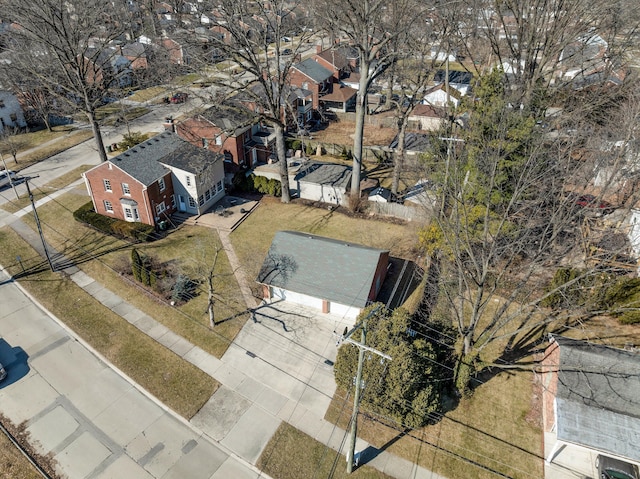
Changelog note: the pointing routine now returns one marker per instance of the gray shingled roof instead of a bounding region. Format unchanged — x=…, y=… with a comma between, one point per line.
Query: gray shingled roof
x=325, y=174
x=313, y=70
x=320, y=267
x=598, y=397
x=145, y=162
x=231, y=117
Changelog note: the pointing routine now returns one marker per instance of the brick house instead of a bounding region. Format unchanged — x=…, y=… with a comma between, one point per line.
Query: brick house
x=589, y=400
x=156, y=178
x=334, y=60
x=232, y=131
x=311, y=75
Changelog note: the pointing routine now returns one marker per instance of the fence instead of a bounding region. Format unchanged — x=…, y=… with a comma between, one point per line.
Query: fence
x=408, y=213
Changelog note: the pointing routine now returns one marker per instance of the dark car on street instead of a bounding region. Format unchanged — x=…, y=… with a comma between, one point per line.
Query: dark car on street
x=610, y=468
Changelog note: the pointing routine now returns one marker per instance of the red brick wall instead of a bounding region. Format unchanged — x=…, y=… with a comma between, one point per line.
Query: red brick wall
x=549, y=378
x=194, y=130
x=381, y=272
x=296, y=78
x=146, y=198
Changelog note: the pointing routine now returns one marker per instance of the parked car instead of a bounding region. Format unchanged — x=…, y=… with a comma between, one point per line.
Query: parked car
x=5, y=176
x=3, y=372
x=610, y=468
x=287, y=52
x=590, y=201
x=179, y=97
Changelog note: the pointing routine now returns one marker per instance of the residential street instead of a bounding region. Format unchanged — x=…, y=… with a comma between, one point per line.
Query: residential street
x=93, y=421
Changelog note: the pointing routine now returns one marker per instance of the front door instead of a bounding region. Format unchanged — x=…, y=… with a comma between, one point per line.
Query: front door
x=182, y=206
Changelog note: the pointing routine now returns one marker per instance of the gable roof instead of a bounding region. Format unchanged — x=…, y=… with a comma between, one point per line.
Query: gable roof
x=598, y=397
x=232, y=118
x=146, y=161
x=334, y=57
x=313, y=70
x=413, y=142
x=321, y=267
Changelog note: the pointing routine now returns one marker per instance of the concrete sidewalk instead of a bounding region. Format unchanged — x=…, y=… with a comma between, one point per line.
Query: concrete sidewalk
x=268, y=375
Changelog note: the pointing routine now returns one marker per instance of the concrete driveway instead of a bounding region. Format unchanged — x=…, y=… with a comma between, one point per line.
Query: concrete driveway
x=92, y=421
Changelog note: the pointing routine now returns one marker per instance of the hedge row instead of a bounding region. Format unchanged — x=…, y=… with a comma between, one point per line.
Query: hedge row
x=136, y=231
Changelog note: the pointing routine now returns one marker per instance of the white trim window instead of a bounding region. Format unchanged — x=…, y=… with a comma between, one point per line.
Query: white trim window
x=108, y=206
x=125, y=189
x=201, y=200
x=128, y=214
x=161, y=184
x=107, y=185
x=160, y=207
x=188, y=180
x=219, y=140
x=219, y=186
x=192, y=202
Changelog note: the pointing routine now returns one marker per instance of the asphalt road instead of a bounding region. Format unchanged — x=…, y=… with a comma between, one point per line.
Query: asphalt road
x=91, y=420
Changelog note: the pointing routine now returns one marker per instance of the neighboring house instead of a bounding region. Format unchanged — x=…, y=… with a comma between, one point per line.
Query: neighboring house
x=439, y=97
x=426, y=117
x=584, y=57
x=136, y=53
x=11, y=113
x=233, y=131
x=175, y=51
x=590, y=399
x=152, y=180
x=330, y=275
x=324, y=182
x=414, y=143
x=341, y=99
x=105, y=65
x=333, y=59
x=458, y=80
x=380, y=195
x=310, y=75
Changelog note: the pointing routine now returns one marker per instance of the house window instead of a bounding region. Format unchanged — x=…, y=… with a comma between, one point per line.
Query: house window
x=201, y=200
x=218, y=140
x=207, y=195
x=161, y=184
x=125, y=189
x=128, y=213
x=205, y=143
x=305, y=86
x=108, y=206
x=219, y=185
x=173, y=202
x=188, y=180
x=192, y=202
x=107, y=185
x=136, y=216
x=160, y=207
x=228, y=157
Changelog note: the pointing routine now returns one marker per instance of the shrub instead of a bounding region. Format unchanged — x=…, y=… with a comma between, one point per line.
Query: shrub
x=295, y=145
x=623, y=297
x=136, y=231
x=132, y=139
x=183, y=289
x=136, y=265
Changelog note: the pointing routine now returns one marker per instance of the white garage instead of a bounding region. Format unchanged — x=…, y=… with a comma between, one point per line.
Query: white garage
x=329, y=275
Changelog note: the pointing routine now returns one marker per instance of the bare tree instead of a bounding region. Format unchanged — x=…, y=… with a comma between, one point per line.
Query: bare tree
x=250, y=36
x=513, y=234
x=9, y=140
x=370, y=26
x=66, y=48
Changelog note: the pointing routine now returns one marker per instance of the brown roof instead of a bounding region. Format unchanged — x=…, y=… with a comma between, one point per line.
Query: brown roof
x=335, y=58
x=427, y=110
x=340, y=94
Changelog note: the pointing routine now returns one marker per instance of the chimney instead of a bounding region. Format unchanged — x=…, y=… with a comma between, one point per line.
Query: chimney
x=318, y=48
x=169, y=125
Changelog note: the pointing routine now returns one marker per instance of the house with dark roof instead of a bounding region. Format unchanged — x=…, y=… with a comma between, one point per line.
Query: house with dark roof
x=323, y=182
x=156, y=178
x=330, y=275
x=591, y=401
x=311, y=75
x=232, y=130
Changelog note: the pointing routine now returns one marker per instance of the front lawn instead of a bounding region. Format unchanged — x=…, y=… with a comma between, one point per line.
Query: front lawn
x=176, y=382
x=106, y=257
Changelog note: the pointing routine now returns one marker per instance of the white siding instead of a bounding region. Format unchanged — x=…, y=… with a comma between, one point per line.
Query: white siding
x=297, y=298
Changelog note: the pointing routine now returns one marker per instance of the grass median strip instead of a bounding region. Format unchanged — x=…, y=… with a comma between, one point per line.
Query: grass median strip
x=174, y=381
x=292, y=454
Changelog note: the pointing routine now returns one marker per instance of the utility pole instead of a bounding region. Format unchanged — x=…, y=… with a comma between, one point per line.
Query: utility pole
x=356, y=397
x=35, y=215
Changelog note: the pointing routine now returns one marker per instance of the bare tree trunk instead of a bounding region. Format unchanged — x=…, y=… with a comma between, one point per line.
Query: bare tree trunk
x=358, y=135
x=212, y=319
x=282, y=161
x=97, y=136
x=398, y=163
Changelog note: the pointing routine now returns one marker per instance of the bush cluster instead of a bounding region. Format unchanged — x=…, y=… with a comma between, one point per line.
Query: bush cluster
x=260, y=184
x=136, y=231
